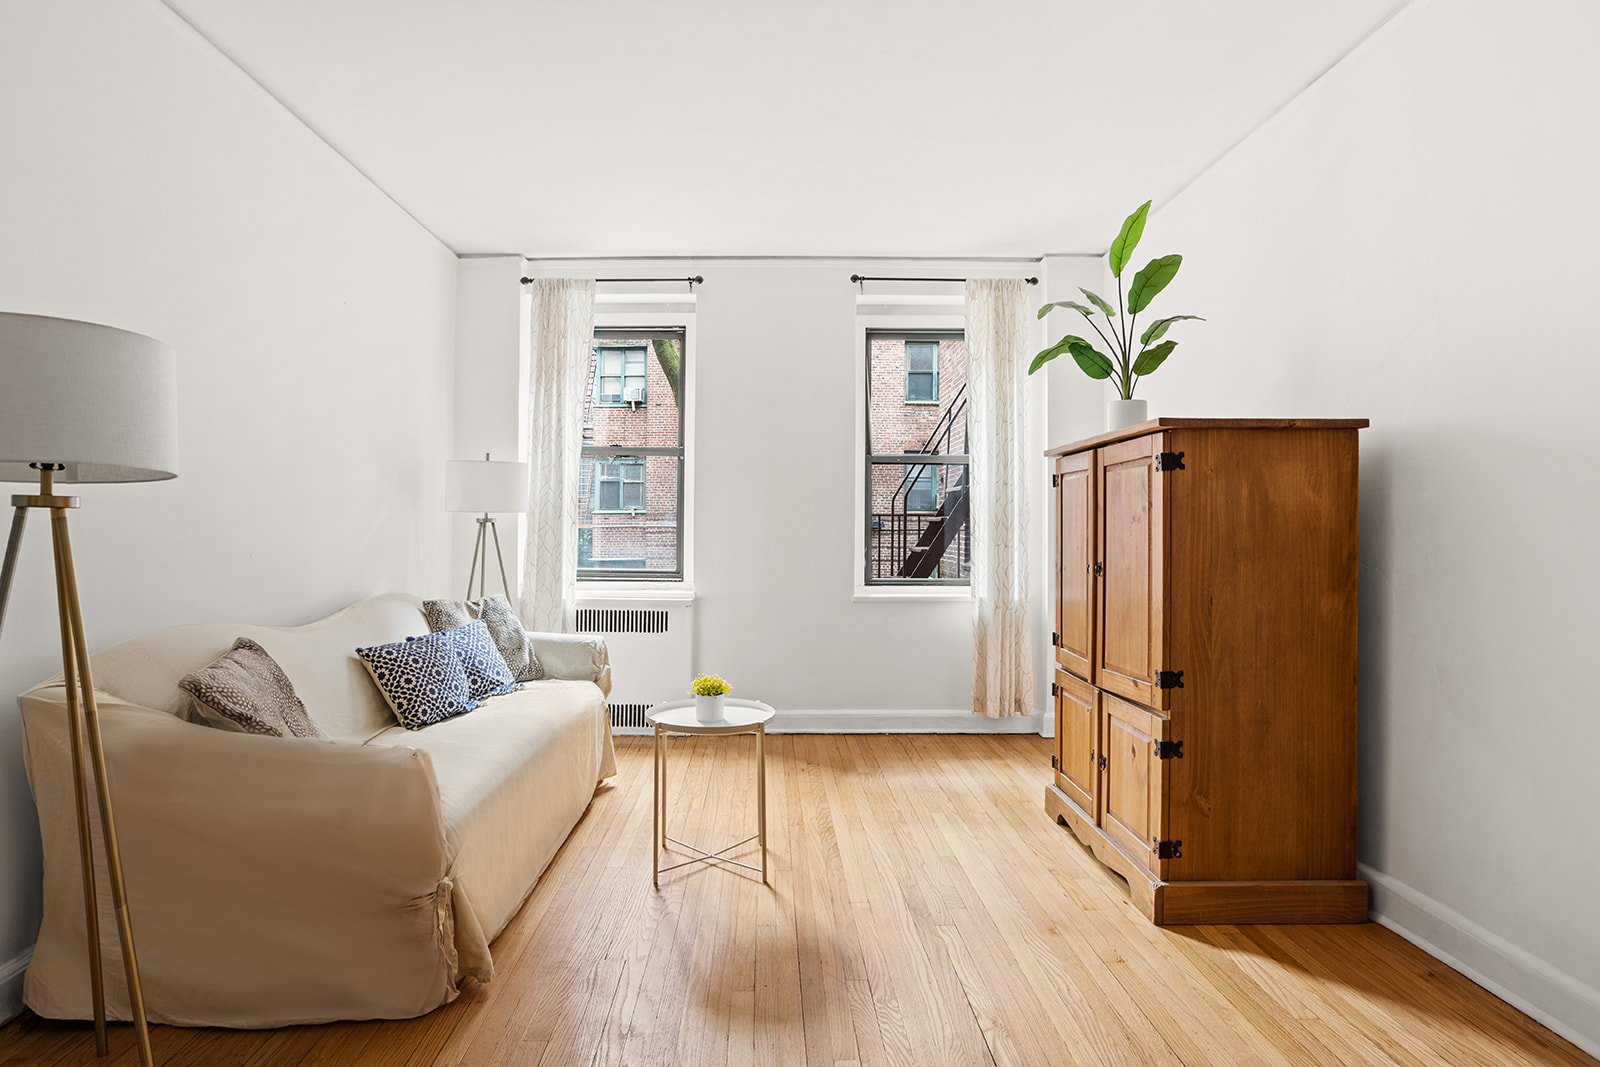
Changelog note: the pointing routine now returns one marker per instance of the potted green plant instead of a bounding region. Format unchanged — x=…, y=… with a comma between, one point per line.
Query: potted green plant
x=1125, y=365
x=708, y=690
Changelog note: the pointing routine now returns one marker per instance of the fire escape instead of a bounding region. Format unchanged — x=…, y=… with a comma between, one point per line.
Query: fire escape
x=908, y=544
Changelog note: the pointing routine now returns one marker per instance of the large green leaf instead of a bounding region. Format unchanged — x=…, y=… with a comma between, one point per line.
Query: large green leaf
x=1150, y=281
x=1053, y=351
x=1151, y=358
x=1093, y=363
x=1158, y=328
x=1127, y=239
x=1099, y=302
x=1073, y=304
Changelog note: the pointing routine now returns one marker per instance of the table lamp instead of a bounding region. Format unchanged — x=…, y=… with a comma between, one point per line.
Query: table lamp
x=84, y=403
x=486, y=486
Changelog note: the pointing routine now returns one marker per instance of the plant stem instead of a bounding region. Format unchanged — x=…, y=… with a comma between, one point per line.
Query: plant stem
x=1122, y=357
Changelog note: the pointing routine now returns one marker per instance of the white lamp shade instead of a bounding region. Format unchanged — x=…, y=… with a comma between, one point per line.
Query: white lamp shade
x=101, y=401
x=484, y=485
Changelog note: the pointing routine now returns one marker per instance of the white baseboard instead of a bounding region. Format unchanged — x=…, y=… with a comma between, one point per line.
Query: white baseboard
x=1558, y=1000
x=889, y=722
x=11, y=972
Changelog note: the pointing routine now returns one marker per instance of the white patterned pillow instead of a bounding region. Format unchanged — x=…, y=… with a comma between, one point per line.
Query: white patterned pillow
x=487, y=673
x=504, y=627
x=422, y=678
x=245, y=690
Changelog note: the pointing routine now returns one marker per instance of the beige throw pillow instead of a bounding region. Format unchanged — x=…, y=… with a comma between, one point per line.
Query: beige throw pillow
x=245, y=690
x=504, y=627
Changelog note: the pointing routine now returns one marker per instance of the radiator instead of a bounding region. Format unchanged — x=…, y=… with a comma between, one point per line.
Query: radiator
x=651, y=644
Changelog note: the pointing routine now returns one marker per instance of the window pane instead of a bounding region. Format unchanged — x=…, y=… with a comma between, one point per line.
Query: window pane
x=634, y=529
x=648, y=365
x=912, y=517
x=895, y=421
x=921, y=355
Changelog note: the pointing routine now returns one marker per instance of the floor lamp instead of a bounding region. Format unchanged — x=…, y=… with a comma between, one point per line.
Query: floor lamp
x=490, y=487
x=84, y=403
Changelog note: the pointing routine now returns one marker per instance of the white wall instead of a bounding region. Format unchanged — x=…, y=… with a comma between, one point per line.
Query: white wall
x=1413, y=241
x=773, y=376
x=147, y=184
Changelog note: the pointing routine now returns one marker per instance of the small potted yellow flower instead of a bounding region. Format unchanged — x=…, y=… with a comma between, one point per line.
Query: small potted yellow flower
x=708, y=690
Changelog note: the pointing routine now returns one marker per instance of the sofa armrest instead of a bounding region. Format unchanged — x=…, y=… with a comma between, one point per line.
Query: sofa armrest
x=269, y=879
x=574, y=657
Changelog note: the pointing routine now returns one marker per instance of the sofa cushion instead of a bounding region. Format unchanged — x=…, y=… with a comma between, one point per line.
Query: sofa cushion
x=422, y=678
x=487, y=673
x=245, y=690
x=514, y=777
x=504, y=627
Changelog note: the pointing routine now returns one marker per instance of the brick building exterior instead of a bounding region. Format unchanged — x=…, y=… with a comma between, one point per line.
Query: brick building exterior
x=917, y=393
x=628, y=506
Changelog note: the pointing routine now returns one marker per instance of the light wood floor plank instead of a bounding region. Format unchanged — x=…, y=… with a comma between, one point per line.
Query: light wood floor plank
x=923, y=910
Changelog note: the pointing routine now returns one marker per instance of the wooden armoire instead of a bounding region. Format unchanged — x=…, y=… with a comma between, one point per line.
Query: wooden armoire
x=1205, y=665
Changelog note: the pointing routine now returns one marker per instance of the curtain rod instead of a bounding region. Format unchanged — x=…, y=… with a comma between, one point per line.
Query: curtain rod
x=859, y=278
x=694, y=281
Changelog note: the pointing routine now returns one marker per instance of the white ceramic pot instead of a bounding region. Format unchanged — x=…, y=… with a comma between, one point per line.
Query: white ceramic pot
x=708, y=709
x=1124, y=413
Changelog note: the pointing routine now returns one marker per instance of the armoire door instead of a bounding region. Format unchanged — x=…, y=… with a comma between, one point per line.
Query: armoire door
x=1078, y=742
x=1133, y=786
x=1132, y=553
x=1075, y=564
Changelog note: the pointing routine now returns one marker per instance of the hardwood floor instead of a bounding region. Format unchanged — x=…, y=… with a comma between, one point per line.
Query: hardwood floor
x=923, y=910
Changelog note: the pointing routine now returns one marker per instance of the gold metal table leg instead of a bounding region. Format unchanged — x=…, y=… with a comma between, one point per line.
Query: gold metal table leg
x=761, y=795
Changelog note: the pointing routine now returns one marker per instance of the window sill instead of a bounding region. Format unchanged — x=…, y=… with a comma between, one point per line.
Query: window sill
x=666, y=589
x=901, y=593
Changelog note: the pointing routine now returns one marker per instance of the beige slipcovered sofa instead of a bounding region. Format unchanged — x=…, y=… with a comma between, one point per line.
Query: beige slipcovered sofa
x=276, y=880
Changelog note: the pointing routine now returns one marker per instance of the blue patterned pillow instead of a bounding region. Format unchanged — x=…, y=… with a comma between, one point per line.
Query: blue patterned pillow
x=488, y=675
x=422, y=678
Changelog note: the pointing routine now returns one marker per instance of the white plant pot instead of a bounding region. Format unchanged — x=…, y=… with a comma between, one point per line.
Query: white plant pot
x=708, y=709
x=1124, y=413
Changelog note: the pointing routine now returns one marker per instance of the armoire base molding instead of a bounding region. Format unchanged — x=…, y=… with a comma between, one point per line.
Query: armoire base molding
x=1213, y=903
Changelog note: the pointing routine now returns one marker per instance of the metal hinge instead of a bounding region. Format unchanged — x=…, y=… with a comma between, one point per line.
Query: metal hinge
x=1168, y=850
x=1055, y=762
x=1055, y=481
x=1055, y=639
x=1169, y=680
x=1055, y=690
x=1099, y=569
x=1169, y=461
x=1169, y=750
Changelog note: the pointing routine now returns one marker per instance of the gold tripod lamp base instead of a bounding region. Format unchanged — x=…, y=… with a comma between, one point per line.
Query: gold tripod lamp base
x=85, y=719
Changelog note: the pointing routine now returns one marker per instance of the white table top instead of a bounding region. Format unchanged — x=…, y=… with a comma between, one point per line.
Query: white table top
x=679, y=715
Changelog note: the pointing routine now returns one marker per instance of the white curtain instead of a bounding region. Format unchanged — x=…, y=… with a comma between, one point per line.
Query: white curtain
x=561, y=339
x=997, y=362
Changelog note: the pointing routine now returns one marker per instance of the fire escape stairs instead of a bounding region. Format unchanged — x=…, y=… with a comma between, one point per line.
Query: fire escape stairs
x=948, y=522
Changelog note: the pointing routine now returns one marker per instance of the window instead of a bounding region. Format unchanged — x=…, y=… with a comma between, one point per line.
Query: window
x=618, y=484
x=922, y=488
x=922, y=372
x=917, y=529
x=620, y=374
x=630, y=483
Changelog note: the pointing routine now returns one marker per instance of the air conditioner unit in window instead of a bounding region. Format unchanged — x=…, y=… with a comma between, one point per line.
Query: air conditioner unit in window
x=635, y=395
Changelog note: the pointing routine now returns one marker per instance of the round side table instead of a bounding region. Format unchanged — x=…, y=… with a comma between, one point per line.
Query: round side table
x=677, y=717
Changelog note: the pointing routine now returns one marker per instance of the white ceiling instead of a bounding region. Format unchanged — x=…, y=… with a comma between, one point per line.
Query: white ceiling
x=751, y=127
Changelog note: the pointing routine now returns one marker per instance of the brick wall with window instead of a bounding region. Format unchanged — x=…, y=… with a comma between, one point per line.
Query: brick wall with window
x=913, y=384
x=628, y=506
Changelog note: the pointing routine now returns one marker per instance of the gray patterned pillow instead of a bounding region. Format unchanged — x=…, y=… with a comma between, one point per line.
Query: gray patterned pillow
x=245, y=690
x=504, y=627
